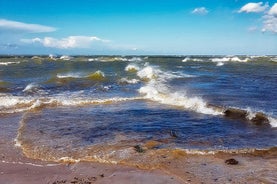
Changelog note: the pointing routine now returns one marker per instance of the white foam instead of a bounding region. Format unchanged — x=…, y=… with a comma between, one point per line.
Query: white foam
x=229, y=59
x=70, y=75
x=14, y=104
x=272, y=121
x=146, y=73
x=31, y=164
x=66, y=58
x=220, y=64
x=131, y=67
x=274, y=59
x=135, y=59
x=177, y=99
x=128, y=81
x=30, y=87
x=192, y=59
x=9, y=63
x=91, y=59
x=156, y=90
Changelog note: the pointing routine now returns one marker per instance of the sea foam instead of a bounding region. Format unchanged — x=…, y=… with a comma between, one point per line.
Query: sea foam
x=157, y=90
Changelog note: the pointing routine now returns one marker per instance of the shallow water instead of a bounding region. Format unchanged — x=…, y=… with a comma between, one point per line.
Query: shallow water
x=99, y=108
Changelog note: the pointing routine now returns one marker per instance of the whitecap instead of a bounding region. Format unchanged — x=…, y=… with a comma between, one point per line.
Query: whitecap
x=70, y=75
x=9, y=63
x=131, y=68
x=156, y=90
x=128, y=81
x=30, y=87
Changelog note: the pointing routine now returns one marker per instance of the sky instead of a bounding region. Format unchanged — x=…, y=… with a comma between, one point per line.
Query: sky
x=138, y=27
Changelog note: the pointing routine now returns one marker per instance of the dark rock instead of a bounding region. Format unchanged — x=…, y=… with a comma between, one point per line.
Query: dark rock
x=231, y=161
x=260, y=119
x=139, y=149
x=236, y=113
x=102, y=175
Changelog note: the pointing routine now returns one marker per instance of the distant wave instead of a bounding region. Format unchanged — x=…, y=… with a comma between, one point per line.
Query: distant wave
x=9, y=63
x=230, y=59
x=112, y=59
x=192, y=59
x=95, y=75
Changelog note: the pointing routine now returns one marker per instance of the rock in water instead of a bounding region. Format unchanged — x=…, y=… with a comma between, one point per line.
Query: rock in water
x=236, y=113
x=260, y=119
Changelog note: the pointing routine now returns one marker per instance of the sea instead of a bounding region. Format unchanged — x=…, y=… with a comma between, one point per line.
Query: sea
x=133, y=109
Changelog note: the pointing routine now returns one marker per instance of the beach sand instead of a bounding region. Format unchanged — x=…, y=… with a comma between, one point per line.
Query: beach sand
x=15, y=168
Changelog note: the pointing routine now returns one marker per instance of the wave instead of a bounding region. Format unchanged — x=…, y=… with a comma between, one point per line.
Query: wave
x=156, y=90
x=98, y=75
x=232, y=59
x=69, y=75
x=192, y=59
x=66, y=58
x=9, y=63
x=274, y=59
x=112, y=59
x=132, y=68
x=14, y=104
x=128, y=81
x=30, y=87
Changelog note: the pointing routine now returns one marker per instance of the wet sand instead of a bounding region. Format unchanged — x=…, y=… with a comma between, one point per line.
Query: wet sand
x=258, y=167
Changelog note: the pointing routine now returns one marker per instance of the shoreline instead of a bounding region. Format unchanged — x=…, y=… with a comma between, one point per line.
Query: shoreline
x=16, y=168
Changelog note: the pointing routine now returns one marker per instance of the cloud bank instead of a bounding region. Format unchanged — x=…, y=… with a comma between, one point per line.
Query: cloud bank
x=254, y=7
x=200, y=11
x=66, y=43
x=24, y=27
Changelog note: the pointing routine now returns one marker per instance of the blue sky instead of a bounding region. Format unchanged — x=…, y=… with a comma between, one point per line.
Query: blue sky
x=134, y=27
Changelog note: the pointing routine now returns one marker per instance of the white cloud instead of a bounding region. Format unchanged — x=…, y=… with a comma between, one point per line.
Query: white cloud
x=270, y=20
x=254, y=7
x=20, y=26
x=200, y=11
x=270, y=24
x=273, y=10
x=66, y=43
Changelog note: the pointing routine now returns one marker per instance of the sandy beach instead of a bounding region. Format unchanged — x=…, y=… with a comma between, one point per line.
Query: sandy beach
x=259, y=167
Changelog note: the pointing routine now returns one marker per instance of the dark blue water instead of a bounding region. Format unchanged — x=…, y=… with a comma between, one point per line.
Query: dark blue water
x=71, y=107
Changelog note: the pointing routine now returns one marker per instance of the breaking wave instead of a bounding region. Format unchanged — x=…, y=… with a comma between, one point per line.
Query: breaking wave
x=98, y=75
x=156, y=90
x=112, y=59
x=192, y=59
x=30, y=87
x=9, y=63
x=128, y=81
x=132, y=68
x=230, y=59
x=13, y=104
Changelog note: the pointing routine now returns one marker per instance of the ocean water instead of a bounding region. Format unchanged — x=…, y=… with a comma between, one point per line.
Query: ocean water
x=109, y=108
